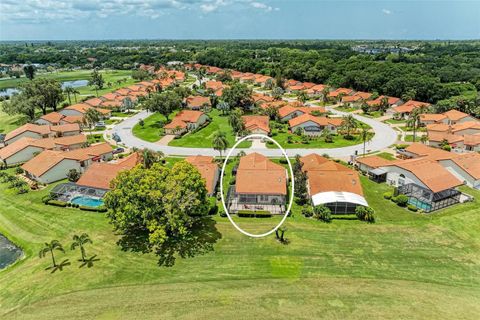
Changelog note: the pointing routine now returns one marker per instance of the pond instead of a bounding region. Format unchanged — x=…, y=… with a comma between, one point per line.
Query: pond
x=9, y=252
x=7, y=92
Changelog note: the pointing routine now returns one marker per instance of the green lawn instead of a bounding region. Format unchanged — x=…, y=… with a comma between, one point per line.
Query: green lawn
x=386, y=155
x=152, y=130
x=409, y=138
x=405, y=266
x=346, y=109
x=395, y=121
x=203, y=137
x=315, y=142
x=8, y=123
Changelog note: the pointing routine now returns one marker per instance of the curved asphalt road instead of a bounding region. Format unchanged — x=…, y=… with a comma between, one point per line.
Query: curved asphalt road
x=383, y=138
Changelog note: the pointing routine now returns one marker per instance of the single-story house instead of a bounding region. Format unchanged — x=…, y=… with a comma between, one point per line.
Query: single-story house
x=100, y=174
x=27, y=130
x=260, y=99
x=260, y=185
x=257, y=124
x=208, y=170
x=369, y=164
x=466, y=167
x=64, y=130
x=391, y=102
x=419, y=150
x=404, y=110
x=51, y=119
x=185, y=120
x=472, y=142
x=80, y=109
x=455, y=116
x=428, y=185
x=332, y=184
x=289, y=112
x=340, y=92
x=50, y=165
x=26, y=148
x=215, y=86
x=316, y=90
x=94, y=102
x=247, y=77
x=198, y=103
x=433, y=118
x=262, y=80
x=451, y=117
x=312, y=125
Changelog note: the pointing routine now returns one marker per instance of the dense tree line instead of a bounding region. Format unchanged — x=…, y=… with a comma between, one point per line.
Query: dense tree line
x=426, y=71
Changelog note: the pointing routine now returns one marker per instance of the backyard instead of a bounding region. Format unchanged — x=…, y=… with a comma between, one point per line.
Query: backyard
x=384, y=269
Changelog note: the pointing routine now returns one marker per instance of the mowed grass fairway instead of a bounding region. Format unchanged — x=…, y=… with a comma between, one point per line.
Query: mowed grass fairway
x=404, y=266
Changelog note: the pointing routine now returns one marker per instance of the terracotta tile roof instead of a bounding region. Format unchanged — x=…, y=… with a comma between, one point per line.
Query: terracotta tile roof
x=258, y=175
x=440, y=136
x=409, y=106
x=80, y=107
x=288, y=109
x=73, y=119
x=183, y=118
x=373, y=161
x=275, y=104
x=325, y=175
x=257, y=97
x=353, y=98
x=438, y=127
x=111, y=104
x=123, y=91
x=13, y=148
x=89, y=152
x=214, y=85
x=472, y=139
x=109, y=96
x=470, y=163
x=43, y=162
x=363, y=95
x=455, y=115
x=318, y=88
x=198, y=101
x=100, y=174
x=292, y=82
x=321, y=121
x=339, y=91
x=52, y=117
x=262, y=79
x=297, y=87
x=421, y=150
x=40, y=129
x=69, y=127
x=256, y=122
x=378, y=101
x=466, y=125
x=207, y=168
x=430, y=173
x=94, y=102
x=70, y=140
x=432, y=117
x=308, y=85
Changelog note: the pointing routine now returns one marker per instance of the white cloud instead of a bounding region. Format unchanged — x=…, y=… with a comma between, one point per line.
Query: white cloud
x=263, y=6
x=387, y=11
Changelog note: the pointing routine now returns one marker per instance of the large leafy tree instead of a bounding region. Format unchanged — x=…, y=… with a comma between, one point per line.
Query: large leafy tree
x=19, y=104
x=164, y=103
x=29, y=71
x=41, y=93
x=96, y=81
x=238, y=95
x=349, y=123
x=160, y=210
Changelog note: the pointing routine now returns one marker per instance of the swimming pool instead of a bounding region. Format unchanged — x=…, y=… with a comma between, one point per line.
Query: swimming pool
x=87, y=201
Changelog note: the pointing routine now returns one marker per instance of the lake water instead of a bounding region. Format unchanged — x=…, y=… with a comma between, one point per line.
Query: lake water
x=9, y=252
x=7, y=92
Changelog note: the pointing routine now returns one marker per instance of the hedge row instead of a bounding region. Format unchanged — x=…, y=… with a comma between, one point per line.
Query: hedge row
x=254, y=214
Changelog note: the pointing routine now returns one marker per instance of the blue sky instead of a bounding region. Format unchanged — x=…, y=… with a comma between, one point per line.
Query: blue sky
x=238, y=19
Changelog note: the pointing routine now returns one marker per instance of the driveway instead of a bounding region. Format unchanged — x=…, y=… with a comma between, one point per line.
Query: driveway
x=165, y=140
x=384, y=137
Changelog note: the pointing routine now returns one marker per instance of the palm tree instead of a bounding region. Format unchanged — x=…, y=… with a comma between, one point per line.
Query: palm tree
x=414, y=120
x=424, y=138
x=68, y=92
x=75, y=92
x=91, y=116
x=80, y=241
x=349, y=123
x=220, y=142
x=50, y=247
x=364, y=135
x=149, y=157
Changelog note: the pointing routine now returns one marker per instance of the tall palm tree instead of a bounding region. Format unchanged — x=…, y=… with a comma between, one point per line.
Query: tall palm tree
x=80, y=241
x=364, y=135
x=68, y=91
x=50, y=247
x=414, y=120
x=220, y=142
x=91, y=116
x=349, y=123
x=75, y=92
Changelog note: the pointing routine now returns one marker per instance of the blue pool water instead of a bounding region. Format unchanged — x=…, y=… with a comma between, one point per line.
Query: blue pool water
x=420, y=204
x=87, y=201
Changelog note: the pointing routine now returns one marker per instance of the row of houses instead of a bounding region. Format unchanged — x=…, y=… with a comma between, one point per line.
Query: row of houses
x=428, y=176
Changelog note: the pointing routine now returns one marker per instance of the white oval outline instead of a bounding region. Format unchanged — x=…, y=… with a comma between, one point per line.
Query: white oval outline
x=257, y=135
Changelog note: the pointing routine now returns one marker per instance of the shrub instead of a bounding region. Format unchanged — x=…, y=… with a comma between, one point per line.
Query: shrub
x=394, y=199
x=307, y=211
x=93, y=209
x=57, y=203
x=283, y=161
x=212, y=206
x=411, y=207
x=254, y=214
x=402, y=200
x=323, y=213
x=18, y=170
x=365, y=214
x=23, y=189
x=232, y=181
x=388, y=195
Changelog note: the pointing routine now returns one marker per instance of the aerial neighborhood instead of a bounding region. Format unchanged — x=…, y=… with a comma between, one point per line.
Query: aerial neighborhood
x=165, y=158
